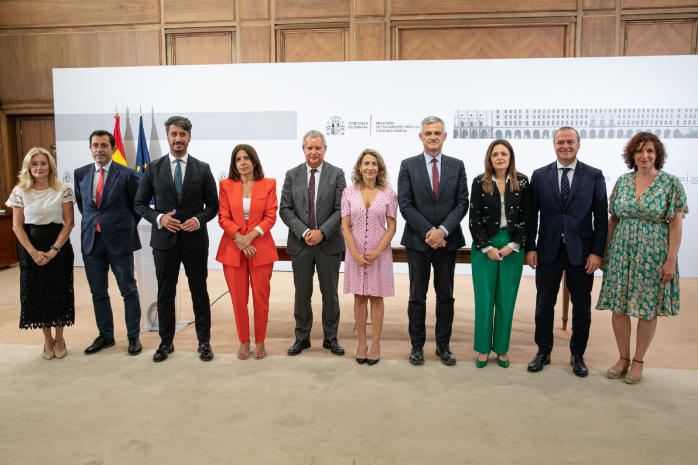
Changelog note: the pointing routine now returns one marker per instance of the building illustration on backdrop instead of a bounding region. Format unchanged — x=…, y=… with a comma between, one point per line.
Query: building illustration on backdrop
x=618, y=123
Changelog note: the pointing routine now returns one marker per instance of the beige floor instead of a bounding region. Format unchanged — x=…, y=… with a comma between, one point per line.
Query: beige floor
x=321, y=409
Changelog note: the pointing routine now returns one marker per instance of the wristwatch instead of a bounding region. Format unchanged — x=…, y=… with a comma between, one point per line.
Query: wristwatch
x=53, y=247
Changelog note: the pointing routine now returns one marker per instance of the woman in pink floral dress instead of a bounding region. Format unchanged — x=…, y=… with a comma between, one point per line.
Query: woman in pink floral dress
x=369, y=208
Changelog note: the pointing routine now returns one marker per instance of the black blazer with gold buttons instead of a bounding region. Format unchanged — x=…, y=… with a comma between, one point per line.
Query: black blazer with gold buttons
x=485, y=212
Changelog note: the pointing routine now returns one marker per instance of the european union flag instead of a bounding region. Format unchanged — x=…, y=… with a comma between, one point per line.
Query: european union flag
x=142, y=156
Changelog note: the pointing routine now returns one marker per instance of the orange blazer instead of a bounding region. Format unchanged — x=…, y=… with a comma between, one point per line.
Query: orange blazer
x=232, y=219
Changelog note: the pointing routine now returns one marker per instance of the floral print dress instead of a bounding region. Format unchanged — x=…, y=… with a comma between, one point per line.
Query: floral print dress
x=638, y=248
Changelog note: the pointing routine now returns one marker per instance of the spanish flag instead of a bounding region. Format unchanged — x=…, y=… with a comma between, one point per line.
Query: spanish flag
x=119, y=155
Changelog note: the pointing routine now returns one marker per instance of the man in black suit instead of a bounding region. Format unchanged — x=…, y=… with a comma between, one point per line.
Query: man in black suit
x=185, y=200
x=105, y=192
x=433, y=199
x=571, y=199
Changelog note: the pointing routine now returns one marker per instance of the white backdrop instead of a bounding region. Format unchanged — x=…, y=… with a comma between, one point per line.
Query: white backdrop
x=377, y=105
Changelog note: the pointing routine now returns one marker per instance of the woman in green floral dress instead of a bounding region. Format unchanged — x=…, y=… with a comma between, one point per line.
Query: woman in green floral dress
x=641, y=274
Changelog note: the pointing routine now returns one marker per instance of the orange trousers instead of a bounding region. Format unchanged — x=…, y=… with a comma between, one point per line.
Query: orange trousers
x=239, y=279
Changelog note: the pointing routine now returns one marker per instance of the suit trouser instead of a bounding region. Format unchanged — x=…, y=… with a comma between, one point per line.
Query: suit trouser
x=195, y=263
x=419, y=264
x=97, y=265
x=579, y=283
x=496, y=285
x=239, y=279
x=304, y=265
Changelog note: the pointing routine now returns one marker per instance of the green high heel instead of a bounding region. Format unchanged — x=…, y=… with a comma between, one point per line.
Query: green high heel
x=503, y=363
x=479, y=363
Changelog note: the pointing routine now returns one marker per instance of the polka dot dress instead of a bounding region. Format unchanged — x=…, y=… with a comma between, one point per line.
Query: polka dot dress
x=368, y=228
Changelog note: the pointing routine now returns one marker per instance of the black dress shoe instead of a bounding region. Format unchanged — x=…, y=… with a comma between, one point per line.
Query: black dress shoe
x=205, y=351
x=538, y=361
x=298, y=347
x=163, y=351
x=578, y=366
x=134, y=346
x=447, y=357
x=334, y=346
x=100, y=343
x=417, y=355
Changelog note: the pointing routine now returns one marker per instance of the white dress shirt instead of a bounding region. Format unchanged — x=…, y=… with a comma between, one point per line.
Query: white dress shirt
x=95, y=179
x=317, y=183
x=182, y=166
x=427, y=160
x=502, y=217
x=570, y=173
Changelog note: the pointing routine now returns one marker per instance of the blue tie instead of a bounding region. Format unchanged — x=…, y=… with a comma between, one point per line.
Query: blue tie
x=178, y=180
x=564, y=187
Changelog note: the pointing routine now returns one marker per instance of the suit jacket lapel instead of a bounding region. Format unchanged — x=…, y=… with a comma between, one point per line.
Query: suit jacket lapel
x=576, y=179
x=303, y=175
x=111, y=179
x=552, y=176
x=89, y=182
x=443, y=179
x=422, y=168
x=167, y=168
x=236, y=204
x=326, y=169
x=188, y=175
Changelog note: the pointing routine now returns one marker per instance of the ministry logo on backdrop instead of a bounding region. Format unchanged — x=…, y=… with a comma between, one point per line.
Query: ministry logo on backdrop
x=335, y=126
x=67, y=177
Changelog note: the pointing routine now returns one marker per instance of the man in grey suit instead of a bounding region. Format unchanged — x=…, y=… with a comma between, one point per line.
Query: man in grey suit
x=433, y=198
x=311, y=208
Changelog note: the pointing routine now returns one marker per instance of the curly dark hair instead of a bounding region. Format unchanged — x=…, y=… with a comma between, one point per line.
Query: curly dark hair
x=636, y=143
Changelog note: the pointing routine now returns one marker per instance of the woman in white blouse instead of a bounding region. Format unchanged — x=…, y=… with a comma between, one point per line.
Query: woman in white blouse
x=42, y=209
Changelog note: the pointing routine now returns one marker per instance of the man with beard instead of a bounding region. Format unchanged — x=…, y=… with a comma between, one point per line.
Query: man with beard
x=185, y=200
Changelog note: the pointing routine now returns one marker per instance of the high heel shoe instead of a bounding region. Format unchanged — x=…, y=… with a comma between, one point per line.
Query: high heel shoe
x=61, y=353
x=52, y=353
x=360, y=360
x=481, y=363
x=502, y=363
x=371, y=361
x=612, y=373
x=244, y=355
x=631, y=378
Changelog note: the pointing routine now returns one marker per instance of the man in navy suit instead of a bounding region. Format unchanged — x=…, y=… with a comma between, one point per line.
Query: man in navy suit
x=185, y=200
x=105, y=192
x=571, y=199
x=433, y=197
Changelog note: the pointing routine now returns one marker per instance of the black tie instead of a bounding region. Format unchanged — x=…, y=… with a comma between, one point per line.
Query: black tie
x=564, y=187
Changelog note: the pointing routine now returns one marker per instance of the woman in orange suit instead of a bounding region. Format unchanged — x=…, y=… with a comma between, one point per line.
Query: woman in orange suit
x=247, y=212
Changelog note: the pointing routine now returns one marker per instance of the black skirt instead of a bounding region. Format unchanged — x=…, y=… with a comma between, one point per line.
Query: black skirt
x=46, y=292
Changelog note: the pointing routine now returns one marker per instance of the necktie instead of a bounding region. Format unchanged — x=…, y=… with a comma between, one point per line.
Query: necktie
x=564, y=187
x=434, y=177
x=312, y=224
x=100, y=186
x=178, y=180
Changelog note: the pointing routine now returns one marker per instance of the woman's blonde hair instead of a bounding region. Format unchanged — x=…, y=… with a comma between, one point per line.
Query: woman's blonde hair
x=26, y=180
x=381, y=178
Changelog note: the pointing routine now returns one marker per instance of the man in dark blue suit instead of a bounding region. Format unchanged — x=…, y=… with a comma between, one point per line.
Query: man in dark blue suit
x=571, y=199
x=105, y=192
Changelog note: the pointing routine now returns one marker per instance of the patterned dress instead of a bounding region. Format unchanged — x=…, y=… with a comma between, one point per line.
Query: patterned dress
x=368, y=228
x=638, y=249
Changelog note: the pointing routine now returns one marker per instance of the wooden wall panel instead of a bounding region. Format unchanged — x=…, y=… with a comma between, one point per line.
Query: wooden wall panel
x=311, y=8
x=422, y=7
x=485, y=42
x=254, y=9
x=31, y=57
x=202, y=49
x=659, y=38
x=60, y=13
x=628, y=4
x=304, y=45
x=600, y=4
x=369, y=42
x=369, y=7
x=255, y=44
x=598, y=36
x=188, y=11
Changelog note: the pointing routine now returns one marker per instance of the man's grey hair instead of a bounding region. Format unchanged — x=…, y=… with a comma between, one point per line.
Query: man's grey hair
x=313, y=133
x=566, y=128
x=432, y=120
x=180, y=121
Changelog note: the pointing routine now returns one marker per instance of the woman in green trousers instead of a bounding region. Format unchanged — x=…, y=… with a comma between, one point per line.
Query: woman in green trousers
x=500, y=209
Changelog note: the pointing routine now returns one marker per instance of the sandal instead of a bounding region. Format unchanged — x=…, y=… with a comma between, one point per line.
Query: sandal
x=631, y=378
x=259, y=355
x=245, y=355
x=615, y=374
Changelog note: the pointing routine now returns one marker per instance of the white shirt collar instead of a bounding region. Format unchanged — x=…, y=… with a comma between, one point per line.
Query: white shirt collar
x=319, y=168
x=572, y=165
x=184, y=159
x=428, y=158
x=106, y=167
